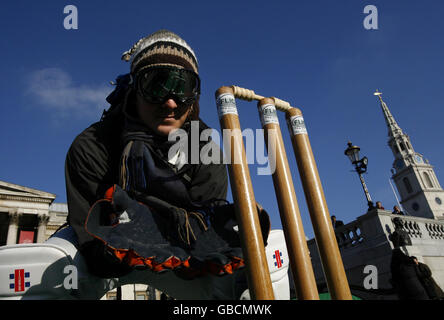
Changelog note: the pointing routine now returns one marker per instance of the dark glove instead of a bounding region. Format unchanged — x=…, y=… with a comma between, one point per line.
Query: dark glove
x=138, y=239
x=161, y=236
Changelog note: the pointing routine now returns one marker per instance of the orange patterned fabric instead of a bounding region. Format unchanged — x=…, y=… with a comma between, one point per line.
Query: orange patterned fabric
x=133, y=259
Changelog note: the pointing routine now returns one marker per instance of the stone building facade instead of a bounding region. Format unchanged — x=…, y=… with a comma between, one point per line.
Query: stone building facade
x=365, y=247
x=25, y=215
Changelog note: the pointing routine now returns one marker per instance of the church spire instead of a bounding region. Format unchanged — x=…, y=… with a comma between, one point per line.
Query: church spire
x=415, y=179
x=393, y=129
x=398, y=141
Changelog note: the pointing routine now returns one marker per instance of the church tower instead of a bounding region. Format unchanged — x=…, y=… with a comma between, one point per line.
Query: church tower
x=419, y=189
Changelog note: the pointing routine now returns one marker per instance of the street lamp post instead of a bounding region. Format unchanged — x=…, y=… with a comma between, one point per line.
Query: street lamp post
x=352, y=152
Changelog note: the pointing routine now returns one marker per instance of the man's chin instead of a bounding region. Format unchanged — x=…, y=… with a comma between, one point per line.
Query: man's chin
x=165, y=128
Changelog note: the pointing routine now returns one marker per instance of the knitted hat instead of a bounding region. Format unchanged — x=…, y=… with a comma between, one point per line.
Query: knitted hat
x=162, y=47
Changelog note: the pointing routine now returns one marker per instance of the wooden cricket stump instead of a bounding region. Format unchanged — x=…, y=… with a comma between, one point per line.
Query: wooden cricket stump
x=243, y=196
x=258, y=275
x=301, y=267
x=317, y=206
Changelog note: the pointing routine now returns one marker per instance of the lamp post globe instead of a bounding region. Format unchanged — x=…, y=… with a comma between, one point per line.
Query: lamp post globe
x=352, y=152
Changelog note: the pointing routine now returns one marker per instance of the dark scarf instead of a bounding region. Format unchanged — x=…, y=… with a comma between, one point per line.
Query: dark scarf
x=145, y=167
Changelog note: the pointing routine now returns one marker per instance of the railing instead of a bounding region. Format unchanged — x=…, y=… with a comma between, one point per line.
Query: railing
x=421, y=228
x=349, y=235
x=412, y=228
x=436, y=230
x=352, y=234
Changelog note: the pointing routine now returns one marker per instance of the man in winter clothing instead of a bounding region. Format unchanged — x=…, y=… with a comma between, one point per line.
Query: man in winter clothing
x=405, y=279
x=132, y=202
x=425, y=276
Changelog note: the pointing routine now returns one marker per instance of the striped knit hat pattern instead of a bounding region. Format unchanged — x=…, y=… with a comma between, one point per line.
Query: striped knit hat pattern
x=162, y=47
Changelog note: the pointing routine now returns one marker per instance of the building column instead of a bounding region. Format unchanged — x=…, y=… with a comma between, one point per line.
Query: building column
x=41, y=230
x=13, y=227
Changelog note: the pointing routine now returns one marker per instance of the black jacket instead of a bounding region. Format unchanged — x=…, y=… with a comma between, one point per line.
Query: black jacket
x=92, y=166
x=405, y=277
x=432, y=288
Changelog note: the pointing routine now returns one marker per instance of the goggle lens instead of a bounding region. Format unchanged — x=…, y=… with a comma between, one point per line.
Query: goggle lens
x=157, y=84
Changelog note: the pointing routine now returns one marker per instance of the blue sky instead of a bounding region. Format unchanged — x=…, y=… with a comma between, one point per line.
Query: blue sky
x=315, y=54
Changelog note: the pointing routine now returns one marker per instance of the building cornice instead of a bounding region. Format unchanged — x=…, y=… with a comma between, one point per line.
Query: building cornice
x=13, y=189
x=26, y=199
x=424, y=192
x=411, y=168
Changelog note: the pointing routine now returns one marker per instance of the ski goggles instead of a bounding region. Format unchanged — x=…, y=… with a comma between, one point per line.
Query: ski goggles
x=160, y=83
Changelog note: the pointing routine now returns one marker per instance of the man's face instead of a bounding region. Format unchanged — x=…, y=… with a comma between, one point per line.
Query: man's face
x=161, y=118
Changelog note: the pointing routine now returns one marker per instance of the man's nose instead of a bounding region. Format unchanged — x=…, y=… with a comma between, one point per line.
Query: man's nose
x=170, y=104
